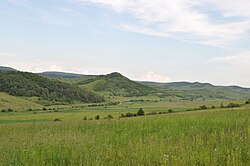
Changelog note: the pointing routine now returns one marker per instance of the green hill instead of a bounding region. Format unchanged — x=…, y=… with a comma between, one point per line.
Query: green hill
x=28, y=84
x=117, y=85
x=200, y=91
x=17, y=103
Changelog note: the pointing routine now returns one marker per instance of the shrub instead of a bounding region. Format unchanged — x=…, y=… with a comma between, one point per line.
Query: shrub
x=109, y=117
x=232, y=105
x=129, y=115
x=3, y=110
x=10, y=110
x=97, y=117
x=248, y=102
x=57, y=120
x=170, y=111
x=203, y=107
x=85, y=118
x=140, y=112
x=44, y=109
x=152, y=113
x=213, y=107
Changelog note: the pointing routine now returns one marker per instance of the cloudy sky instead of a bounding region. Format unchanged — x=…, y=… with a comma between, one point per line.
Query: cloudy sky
x=160, y=40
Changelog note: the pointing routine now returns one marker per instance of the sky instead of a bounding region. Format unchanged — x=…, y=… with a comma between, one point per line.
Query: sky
x=160, y=40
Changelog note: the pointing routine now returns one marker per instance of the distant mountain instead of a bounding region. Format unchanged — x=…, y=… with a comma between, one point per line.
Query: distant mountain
x=29, y=84
x=116, y=84
x=54, y=74
x=3, y=68
x=189, y=90
x=179, y=85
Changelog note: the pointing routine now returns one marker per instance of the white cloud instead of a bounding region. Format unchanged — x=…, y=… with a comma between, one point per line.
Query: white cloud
x=151, y=76
x=189, y=20
x=239, y=59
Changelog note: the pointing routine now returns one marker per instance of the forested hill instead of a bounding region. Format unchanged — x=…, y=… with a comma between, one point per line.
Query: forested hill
x=28, y=84
x=117, y=85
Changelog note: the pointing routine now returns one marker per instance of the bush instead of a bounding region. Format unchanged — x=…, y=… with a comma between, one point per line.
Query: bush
x=164, y=112
x=127, y=115
x=152, y=113
x=213, y=107
x=57, y=120
x=44, y=109
x=3, y=110
x=10, y=110
x=232, y=105
x=109, y=117
x=203, y=107
x=97, y=117
x=85, y=118
x=140, y=112
x=170, y=111
x=248, y=102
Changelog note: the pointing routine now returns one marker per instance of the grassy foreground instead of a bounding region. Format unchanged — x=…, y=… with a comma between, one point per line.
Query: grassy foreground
x=212, y=137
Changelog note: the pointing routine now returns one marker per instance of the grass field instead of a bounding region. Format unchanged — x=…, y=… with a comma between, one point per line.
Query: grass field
x=207, y=137
x=16, y=103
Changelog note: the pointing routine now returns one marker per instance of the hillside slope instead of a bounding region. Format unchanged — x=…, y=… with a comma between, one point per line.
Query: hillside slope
x=117, y=85
x=16, y=103
x=28, y=84
x=196, y=90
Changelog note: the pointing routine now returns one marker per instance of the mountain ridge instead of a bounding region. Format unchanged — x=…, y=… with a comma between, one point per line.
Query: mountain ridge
x=58, y=74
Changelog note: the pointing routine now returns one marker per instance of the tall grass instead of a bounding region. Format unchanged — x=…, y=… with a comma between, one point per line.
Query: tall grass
x=218, y=137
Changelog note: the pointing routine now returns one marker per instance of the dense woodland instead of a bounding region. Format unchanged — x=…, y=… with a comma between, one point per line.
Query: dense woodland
x=29, y=84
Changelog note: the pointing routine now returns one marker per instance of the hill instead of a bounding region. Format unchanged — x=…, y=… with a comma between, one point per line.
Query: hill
x=54, y=74
x=16, y=103
x=196, y=90
x=3, y=68
x=117, y=85
x=29, y=84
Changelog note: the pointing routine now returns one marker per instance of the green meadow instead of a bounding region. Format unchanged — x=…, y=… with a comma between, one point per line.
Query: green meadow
x=205, y=137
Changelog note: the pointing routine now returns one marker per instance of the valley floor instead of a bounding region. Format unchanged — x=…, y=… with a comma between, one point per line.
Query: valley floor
x=204, y=137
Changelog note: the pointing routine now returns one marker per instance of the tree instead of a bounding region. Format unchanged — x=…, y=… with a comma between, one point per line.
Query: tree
x=170, y=111
x=140, y=112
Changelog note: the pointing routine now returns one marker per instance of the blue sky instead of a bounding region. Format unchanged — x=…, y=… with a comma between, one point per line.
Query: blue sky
x=164, y=41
